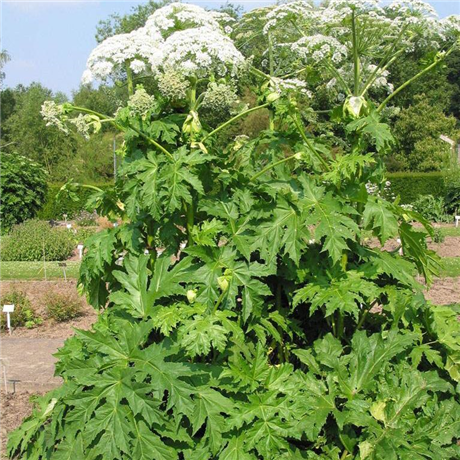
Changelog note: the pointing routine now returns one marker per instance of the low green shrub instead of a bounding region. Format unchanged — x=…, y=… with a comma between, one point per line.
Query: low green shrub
x=24, y=314
x=438, y=236
x=410, y=186
x=55, y=209
x=432, y=208
x=36, y=240
x=62, y=307
x=452, y=185
x=22, y=188
x=84, y=233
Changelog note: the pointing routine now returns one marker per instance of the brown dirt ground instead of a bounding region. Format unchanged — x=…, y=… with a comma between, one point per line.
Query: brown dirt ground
x=444, y=291
x=449, y=248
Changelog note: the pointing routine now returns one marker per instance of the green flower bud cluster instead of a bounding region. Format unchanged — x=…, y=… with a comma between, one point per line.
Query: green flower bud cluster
x=220, y=97
x=141, y=103
x=173, y=85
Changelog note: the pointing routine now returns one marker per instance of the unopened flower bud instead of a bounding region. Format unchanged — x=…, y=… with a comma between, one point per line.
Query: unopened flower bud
x=191, y=295
x=272, y=97
x=223, y=283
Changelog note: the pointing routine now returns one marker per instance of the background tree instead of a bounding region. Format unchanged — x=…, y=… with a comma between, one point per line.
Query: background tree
x=4, y=58
x=22, y=189
x=417, y=130
x=27, y=129
x=122, y=24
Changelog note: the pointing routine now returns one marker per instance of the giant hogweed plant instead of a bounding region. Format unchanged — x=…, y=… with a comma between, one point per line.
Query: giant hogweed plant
x=242, y=315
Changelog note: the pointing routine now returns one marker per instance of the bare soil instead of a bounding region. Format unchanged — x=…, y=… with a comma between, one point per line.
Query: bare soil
x=444, y=291
x=450, y=247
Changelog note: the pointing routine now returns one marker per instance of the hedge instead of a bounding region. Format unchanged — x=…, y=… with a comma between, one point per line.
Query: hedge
x=410, y=186
x=53, y=209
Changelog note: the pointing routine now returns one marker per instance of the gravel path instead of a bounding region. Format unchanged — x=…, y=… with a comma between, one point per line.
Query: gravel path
x=30, y=361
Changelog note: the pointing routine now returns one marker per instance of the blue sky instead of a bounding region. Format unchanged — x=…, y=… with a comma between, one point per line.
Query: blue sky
x=49, y=42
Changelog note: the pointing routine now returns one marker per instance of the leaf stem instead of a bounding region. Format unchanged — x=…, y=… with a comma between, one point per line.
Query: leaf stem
x=356, y=65
x=190, y=220
x=271, y=166
x=309, y=144
x=415, y=77
x=271, y=121
x=219, y=300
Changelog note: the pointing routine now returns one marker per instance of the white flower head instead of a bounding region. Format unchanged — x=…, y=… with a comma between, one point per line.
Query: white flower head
x=289, y=86
x=451, y=25
x=54, y=115
x=412, y=8
x=136, y=48
x=202, y=52
x=319, y=48
x=183, y=16
x=289, y=12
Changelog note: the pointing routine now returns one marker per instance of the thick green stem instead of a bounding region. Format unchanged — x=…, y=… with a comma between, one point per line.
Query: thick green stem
x=414, y=78
x=340, y=324
x=259, y=73
x=219, y=301
x=309, y=144
x=271, y=166
x=190, y=215
x=356, y=64
x=91, y=187
x=271, y=115
x=232, y=120
x=129, y=78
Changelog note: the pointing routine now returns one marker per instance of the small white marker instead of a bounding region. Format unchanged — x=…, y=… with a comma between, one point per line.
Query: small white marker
x=8, y=309
x=80, y=250
x=457, y=220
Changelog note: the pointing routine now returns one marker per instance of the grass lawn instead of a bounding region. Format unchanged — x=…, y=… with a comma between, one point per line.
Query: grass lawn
x=450, y=267
x=36, y=270
x=450, y=231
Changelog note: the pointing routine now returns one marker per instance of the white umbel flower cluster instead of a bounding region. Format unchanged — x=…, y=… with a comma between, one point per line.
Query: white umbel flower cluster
x=414, y=8
x=289, y=86
x=288, y=12
x=318, y=48
x=451, y=25
x=182, y=16
x=137, y=48
x=181, y=36
x=202, y=51
x=54, y=115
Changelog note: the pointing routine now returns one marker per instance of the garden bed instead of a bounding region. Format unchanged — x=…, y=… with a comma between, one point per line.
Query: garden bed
x=36, y=291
